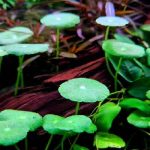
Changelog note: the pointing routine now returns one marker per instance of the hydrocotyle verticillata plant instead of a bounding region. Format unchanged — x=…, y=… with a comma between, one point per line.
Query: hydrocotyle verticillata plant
x=83, y=90
x=67, y=127
x=110, y=21
x=60, y=21
x=24, y=121
x=123, y=50
x=21, y=50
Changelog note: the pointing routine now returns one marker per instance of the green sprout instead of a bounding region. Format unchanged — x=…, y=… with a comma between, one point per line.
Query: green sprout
x=123, y=50
x=83, y=90
x=60, y=21
x=106, y=140
x=21, y=50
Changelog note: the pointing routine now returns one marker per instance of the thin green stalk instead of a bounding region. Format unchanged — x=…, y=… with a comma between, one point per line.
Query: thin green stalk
x=57, y=42
x=107, y=32
x=116, y=74
x=1, y=59
x=117, y=92
x=61, y=143
x=19, y=75
x=106, y=57
x=26, y=143
x=74, y=142
x=77, y=108
x=16, y=147
x=49, y=142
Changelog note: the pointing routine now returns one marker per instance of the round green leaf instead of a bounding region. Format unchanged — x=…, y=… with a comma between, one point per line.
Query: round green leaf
x=105, y=116
x=112, y=21
x=122, y=49
x=107, y=140
x=83, y=90
x=15, y=35
x=50, y=124
x=30, y=119
x=77, y=124
x=12, y=132
x=60, y=20
x=139, y=119
x=25, y=49
x=135, y=103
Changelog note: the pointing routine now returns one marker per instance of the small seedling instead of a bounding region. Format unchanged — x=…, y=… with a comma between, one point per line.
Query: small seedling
x=71, y=125
x=122, y=50
x=21, y=50
x=83, y=90
x=60, y=21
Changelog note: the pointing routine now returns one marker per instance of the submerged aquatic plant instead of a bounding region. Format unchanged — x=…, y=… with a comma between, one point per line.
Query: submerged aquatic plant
x=17, y=124
x=139, y=119
x=21, y=50
x=122, y=50
x=69, y=126
x=12, y=132
x=83, y=90
x=60, y=21
x=106, y=140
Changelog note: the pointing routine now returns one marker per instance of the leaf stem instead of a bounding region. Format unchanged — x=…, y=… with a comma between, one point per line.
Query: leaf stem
x=116, y=74
x=49, y=142
x=19, y=75
x=57, y=42
x=77, y=108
